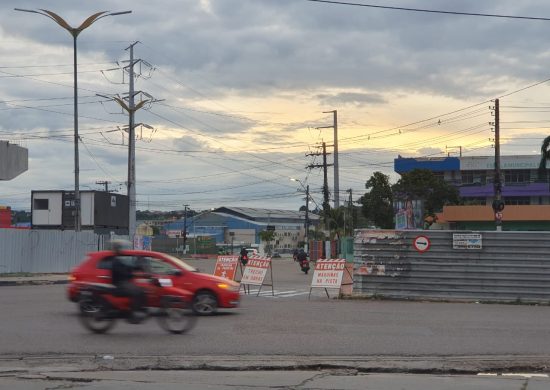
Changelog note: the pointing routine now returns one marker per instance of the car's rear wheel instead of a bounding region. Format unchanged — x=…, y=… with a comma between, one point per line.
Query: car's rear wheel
x=205, y=303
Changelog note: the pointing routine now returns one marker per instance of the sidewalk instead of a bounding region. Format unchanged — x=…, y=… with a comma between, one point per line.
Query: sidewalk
x=37, y=279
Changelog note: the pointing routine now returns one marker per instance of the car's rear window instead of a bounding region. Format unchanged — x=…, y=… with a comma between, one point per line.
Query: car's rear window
x=107, y=262
x=182, y=264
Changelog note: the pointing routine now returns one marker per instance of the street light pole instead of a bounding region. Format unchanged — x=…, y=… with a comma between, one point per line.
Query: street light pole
x=306, y=222
x=74, y=31
x=307, y=219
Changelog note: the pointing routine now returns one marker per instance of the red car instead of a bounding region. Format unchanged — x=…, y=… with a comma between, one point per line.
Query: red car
x=209, y=292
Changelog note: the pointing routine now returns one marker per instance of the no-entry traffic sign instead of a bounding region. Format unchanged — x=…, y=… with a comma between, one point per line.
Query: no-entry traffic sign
x=421, y=243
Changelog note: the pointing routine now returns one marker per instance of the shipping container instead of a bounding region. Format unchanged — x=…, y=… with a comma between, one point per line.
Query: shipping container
x=102, y=212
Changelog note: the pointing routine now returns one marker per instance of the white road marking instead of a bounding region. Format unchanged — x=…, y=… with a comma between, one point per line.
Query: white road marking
x=267, y=293
x=523, y=375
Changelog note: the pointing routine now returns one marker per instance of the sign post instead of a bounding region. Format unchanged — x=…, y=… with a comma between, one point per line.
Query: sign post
x=255, y=273
x=328, y=273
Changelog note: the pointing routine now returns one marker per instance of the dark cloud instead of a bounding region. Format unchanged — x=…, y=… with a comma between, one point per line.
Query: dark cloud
x=352, y=98
x=209, y=54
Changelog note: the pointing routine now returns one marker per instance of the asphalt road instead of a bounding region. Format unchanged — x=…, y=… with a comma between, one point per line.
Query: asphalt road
x=38, y=321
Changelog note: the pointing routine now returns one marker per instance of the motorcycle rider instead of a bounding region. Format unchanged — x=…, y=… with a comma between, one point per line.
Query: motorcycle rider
x=121, y=276
x=244, y=256
x=303, y=261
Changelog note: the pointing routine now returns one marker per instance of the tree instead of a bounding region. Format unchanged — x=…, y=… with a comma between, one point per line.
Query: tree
x=377, y=203
x=267, y=236
x=425, y=185
x=335, y=221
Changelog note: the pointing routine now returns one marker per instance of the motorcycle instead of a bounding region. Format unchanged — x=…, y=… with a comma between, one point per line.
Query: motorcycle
x=100, y=307
x=304, y=266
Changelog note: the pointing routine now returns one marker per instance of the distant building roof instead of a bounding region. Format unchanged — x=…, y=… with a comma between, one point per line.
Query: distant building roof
x=265, y=215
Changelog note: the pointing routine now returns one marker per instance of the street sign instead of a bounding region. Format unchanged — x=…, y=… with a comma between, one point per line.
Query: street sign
x=328, y=273
x=498, y=215
x=421, y=243
x=226, y=266
x=467, y=241
x=255, y=271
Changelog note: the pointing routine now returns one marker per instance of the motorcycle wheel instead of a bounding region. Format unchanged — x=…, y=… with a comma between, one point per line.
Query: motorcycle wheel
x=94, y=314
x=176, y=316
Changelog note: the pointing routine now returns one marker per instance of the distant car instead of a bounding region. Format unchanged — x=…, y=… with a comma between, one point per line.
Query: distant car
x=275, y=254
x=209, y=292
x=252, y=252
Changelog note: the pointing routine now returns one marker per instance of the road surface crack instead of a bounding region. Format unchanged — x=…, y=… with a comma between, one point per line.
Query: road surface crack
x=322, y=375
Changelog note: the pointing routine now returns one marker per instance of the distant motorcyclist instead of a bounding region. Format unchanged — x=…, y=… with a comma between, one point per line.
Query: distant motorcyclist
x=244, y=256
x=303, y=261
x=121, y=276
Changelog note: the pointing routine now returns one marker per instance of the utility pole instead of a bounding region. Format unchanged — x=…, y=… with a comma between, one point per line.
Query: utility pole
x=335, y=144
x=326, y=205
x=131, y=148
x=325, y=180
x=498, y=204
x=131, y=109
x=185, y=227
x=453, y=147
x=306, y=223
x=350, y=209
x=104, y=183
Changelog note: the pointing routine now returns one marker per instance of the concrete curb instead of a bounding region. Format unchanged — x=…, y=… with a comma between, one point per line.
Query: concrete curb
x=375, y=364
x=38, y=281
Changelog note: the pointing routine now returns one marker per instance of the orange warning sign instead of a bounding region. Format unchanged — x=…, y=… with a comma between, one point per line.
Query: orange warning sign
x=226, y=266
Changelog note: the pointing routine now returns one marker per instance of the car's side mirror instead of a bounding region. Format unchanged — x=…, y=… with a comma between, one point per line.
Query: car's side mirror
x=177, y=272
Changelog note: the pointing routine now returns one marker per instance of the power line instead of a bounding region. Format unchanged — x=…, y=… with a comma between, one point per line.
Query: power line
x=53, y=65
x=429, y=10
x=446, y=114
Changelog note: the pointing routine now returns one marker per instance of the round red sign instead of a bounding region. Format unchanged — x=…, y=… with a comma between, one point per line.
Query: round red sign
x=421, y=243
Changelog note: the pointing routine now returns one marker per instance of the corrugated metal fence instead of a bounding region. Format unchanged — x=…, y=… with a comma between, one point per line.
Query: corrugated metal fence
x=38, y=251
x=453, y=265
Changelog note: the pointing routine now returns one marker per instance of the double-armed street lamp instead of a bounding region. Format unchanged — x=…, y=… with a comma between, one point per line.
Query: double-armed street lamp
x=75, y=31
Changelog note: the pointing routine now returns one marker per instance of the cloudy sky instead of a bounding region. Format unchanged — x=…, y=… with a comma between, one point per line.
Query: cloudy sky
x=241, y=88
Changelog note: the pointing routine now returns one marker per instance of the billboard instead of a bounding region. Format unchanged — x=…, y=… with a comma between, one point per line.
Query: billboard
x=409, y=214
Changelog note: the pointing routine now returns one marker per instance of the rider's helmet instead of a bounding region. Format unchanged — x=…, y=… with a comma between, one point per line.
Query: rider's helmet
x=119, y=245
